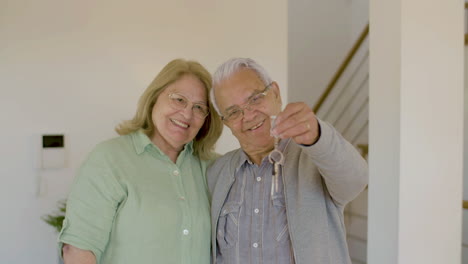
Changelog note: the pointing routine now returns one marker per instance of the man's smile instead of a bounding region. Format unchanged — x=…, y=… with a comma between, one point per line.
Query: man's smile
x=257, y=125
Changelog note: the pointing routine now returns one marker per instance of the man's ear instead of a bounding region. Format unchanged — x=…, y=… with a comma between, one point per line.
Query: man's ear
x=276, y=91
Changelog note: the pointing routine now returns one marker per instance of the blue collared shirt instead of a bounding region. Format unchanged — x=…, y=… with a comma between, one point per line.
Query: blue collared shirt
x=252, y=226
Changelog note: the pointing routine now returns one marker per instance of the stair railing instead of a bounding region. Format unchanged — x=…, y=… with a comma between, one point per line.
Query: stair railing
x=342, y=68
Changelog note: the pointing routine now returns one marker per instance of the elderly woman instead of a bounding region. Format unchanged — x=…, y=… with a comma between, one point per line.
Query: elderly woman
x=142, y=197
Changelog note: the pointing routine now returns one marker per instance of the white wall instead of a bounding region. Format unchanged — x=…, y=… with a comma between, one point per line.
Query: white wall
x=465, y=144
x=320, y=34
x=465, y=166
x=417, y=171
x=359, y=17
x=465, y=157
x=78, y=67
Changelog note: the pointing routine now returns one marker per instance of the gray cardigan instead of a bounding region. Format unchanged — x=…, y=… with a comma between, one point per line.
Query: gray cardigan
x=319, y=181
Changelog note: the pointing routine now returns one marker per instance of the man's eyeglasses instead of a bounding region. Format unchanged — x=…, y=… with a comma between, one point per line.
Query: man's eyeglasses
x=179, y=101
x=235, y=113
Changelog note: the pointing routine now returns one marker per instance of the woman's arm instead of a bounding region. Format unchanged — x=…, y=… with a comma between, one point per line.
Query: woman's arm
x=74, y=255
x=93, y=201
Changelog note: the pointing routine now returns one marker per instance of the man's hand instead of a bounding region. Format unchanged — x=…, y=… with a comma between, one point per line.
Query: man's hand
x=298, y=122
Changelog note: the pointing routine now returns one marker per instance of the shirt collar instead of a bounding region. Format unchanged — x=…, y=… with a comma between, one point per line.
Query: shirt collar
x=141, y=142
x=188, y=148
x=244, y=158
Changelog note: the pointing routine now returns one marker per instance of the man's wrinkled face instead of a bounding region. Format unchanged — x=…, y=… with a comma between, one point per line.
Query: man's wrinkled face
x=246, y=98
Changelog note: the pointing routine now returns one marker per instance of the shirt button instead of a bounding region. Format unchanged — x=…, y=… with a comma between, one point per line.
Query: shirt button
x=175, y=173
x=256, y=210
x=259, y=178
x=182, y=198
x=186, y=232
x=255, y=245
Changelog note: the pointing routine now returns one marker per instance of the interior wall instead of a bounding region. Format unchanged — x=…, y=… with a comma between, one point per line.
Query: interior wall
x=465, y=157
x=465, y=166
x=79, y=67
x=465, y=151
x=421, y=219
x=359, y=17
x=320, y=33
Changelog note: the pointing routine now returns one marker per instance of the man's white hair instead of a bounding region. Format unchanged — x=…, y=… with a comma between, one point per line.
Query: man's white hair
x=228, y=68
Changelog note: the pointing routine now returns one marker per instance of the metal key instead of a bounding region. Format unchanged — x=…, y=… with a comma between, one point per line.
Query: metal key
x=276, y=157
x=276, y=175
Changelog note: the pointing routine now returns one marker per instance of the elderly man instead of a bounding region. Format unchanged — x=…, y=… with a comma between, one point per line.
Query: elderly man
x=280, y=198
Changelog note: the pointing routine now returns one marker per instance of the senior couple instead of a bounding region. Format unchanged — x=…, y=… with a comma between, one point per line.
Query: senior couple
x=148, y=195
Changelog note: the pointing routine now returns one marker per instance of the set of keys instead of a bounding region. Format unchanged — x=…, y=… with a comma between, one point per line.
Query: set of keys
x=275, y=157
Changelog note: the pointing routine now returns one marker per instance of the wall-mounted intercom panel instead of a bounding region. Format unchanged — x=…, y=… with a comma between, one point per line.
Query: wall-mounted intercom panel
x=52, y=151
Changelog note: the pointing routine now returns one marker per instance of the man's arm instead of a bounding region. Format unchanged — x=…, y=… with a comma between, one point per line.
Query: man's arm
x=343, y=169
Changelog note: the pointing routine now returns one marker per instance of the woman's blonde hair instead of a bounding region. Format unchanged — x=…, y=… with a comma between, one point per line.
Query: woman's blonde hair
x=205, y=140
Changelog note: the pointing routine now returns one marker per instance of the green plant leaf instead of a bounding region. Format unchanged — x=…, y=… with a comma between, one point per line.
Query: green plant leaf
x=56, y=219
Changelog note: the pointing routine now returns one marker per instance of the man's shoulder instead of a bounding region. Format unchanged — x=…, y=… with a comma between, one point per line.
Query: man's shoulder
x=219, y=167
x=223, y=161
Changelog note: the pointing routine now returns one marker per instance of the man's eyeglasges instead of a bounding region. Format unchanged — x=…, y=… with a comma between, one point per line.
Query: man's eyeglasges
x=179, y=101
x=235, y=113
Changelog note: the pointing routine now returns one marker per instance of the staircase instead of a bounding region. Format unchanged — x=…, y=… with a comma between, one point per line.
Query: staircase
x=345, y=104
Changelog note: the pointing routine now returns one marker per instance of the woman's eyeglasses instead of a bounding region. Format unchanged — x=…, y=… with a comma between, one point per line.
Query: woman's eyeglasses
x=179, y=101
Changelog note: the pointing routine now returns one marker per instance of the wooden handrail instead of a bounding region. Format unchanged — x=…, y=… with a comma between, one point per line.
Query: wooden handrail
x=466, y=35
x=342, y=68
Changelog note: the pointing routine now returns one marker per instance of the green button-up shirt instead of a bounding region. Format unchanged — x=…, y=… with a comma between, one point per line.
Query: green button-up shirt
x=131, y=204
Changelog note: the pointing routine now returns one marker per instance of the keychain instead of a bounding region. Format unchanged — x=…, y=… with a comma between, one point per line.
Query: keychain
x=275, y=157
